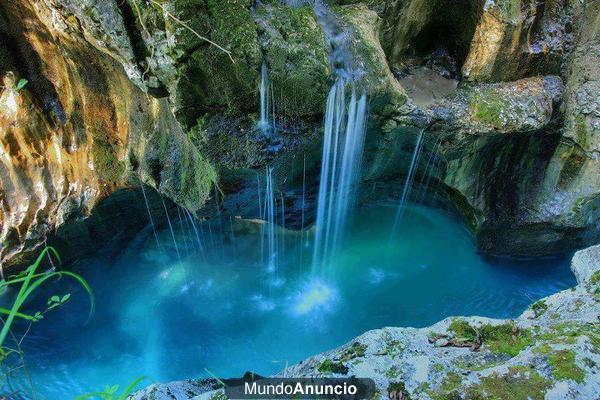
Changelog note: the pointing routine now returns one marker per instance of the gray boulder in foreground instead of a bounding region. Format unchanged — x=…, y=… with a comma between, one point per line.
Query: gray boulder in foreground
x=551, y=351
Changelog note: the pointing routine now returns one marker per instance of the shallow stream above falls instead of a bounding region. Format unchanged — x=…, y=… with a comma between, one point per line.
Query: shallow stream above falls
x=220, y=309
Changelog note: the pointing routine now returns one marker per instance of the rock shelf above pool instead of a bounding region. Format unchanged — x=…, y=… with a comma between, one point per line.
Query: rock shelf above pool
x=551, y=351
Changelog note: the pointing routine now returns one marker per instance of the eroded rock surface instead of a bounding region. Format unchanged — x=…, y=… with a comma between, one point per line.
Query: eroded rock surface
x=77, y=131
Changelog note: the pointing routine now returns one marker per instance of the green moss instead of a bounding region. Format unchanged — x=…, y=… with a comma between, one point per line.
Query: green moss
x=449, y=388
x=220, y=395
x=394, y=348
x=568, y=333
x=499, y=339
x=595, y=278
x=209, y=81
x=539, y=308
x=463, y=329
x=520, y=383
x=392, y=373
x=355, y=350
x=574, y=161
x=228, y=145
x=581, y=130
x=384, y=98
x=329, y=366
x=489, y=109
x=564, y=367
x=296, y=53
x=106, y=163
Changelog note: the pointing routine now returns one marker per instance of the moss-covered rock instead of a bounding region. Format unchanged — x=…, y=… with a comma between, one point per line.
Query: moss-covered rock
x=386, y=95
x=296, y=53
x=519, y=383
x=210, y=80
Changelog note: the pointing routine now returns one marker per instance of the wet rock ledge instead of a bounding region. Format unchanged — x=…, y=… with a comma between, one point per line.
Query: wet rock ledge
x=551, y=351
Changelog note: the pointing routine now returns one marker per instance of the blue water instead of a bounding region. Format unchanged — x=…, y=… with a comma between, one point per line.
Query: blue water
x=221, y=310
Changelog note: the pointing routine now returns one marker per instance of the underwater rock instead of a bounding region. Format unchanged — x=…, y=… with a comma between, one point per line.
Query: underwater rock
x=553, y=355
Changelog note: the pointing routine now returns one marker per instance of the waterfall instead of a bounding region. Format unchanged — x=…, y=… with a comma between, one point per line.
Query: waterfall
x=269, y=214
x=409, y=179
x=150, y=215
x=171, y=229
x=267, y=105
x=343, y=138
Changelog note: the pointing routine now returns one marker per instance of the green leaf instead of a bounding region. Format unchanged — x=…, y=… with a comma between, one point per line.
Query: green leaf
x=65, y=298
x=18, y=314
x=21, y=84
x=54, y=299
x=127, y=391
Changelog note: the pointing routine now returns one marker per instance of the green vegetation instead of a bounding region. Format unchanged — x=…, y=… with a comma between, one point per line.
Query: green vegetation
x=219, y=395
x=510, y=8
x=295, y=51
x=104, y=154
x=499, y=339
x=520, y=383
x=392, y=373
x=564, y=367
x=21, y=84
x=329, y=366
x=355, y=350
x=562, y=361
x=569, y=332
x=595, y=278
x=110, y=392
x=539, y=308
x=489, y=109
x=393, y=347
x=30, y=281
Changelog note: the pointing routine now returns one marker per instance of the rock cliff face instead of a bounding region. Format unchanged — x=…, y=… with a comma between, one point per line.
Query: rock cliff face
x=79, y=129
x=123, y=91
x=551, y=351
x=517, y=153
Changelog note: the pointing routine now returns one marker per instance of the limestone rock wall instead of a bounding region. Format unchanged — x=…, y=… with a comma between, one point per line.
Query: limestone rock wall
x=79, y=129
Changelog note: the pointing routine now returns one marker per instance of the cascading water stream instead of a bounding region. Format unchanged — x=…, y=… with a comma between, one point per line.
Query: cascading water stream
x=267, y=106
x=150, y=215
x=343, y=139
x=171, y=230
x=409, y=180
x=270, y=218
